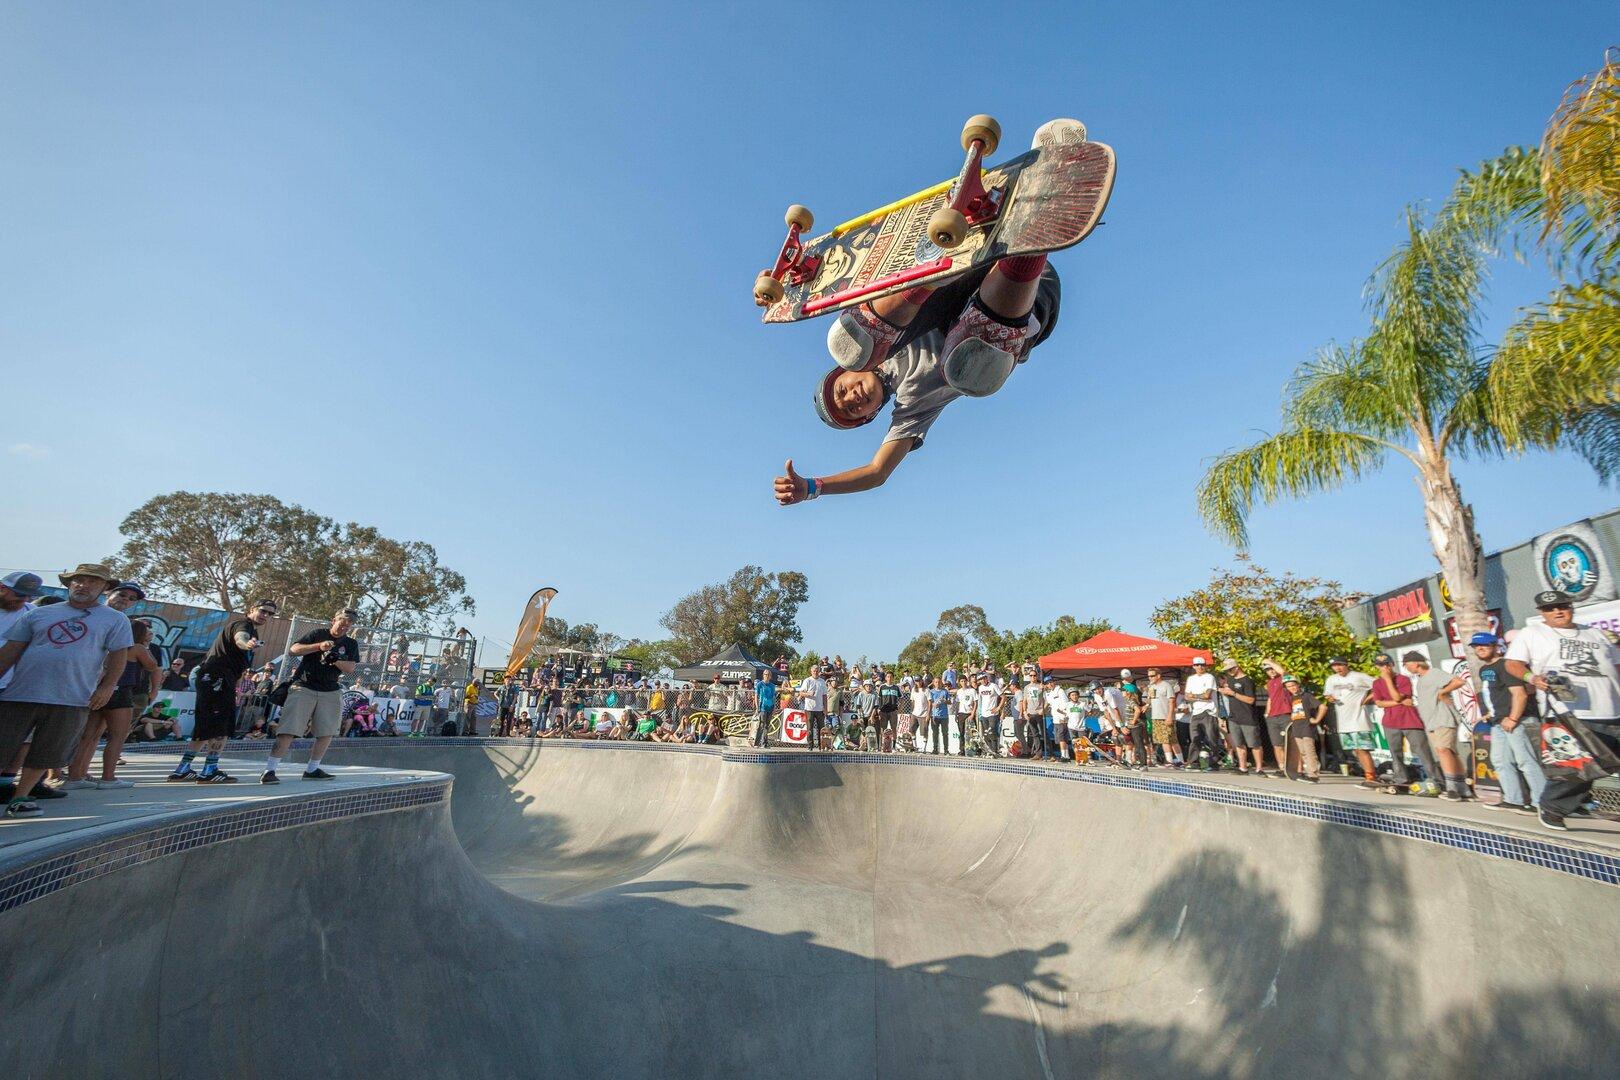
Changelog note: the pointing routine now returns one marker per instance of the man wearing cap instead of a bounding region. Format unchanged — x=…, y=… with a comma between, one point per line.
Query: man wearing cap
x=924, y=348
x=1431, y=696
x=64, y=661
x=1584, y=658
x=17, y=589
x=1242, y=726
x=315, y=698
x=1403, y=729
x=229, y=656
x=1279, y=709
x=1202, y=728
x=137, y=684
x=1348, y=691
x=1508, y=703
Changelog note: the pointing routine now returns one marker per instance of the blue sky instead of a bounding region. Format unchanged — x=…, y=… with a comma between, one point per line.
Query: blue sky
x=480, y=275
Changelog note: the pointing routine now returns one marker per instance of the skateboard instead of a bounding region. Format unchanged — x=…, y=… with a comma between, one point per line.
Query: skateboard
x=1297, y=730
x=1045, y=200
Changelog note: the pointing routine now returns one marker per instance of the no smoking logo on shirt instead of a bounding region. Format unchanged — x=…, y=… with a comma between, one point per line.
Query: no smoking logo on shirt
x=67, y=632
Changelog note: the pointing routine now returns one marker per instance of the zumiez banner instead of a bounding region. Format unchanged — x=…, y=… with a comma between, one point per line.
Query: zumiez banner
x=1404, y=616
x=1571, y=561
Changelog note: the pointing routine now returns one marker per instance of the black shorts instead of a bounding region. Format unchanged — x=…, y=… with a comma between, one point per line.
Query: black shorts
x=121, y=699
x=216, y=707
x=1277, y=728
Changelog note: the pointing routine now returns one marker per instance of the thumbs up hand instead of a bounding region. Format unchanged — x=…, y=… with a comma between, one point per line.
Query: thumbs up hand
x=790, y=487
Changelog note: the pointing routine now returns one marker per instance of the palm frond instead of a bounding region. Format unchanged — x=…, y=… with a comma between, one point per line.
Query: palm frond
x=1497, y=203
x=1580, y=156
x=1558, y=363
x=1294, y=462
x=1425, y=301
x=1340, y=389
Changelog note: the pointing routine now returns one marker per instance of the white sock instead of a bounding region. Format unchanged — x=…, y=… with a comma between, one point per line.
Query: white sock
x=270, y=764
x=314, y=763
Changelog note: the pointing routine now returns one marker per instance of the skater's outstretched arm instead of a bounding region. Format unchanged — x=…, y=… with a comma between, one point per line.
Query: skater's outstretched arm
x=792, y=488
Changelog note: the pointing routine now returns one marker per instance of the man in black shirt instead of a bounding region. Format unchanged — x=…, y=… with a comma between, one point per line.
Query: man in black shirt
x=1509, y=703
x=314, y=700
x=227, y=658
x=176, y=679
x=1242, y=728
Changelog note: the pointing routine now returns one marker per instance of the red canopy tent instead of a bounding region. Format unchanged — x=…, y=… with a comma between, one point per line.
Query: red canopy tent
x=1111, y=650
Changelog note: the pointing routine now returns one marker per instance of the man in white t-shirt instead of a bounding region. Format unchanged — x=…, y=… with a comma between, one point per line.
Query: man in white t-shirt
x=1580, y=662
x=1203, y=725
x=1349, y=692
x=967, y=700
x=990, y=713
x=813, y=699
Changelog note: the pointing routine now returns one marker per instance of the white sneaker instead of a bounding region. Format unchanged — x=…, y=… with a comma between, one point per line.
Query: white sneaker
x=114, y=784
x=1058, y=132
x=77, y=785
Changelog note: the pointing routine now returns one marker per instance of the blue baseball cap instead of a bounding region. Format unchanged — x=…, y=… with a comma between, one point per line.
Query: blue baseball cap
x=1483, y=638
x=140, y=593
x=23, y=583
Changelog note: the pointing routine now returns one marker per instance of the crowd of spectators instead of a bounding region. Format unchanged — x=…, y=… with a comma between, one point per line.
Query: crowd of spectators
x=77, y=675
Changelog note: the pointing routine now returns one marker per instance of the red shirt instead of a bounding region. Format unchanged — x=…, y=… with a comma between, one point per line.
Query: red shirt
x=1398, y=716
x=1279, y=702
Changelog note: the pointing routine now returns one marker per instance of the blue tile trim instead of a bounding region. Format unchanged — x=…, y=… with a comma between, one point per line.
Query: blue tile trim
x=1570, y=858
x=1590, y=863
x=32, y=875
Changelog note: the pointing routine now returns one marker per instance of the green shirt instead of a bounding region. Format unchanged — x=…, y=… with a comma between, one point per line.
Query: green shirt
x=645, y=725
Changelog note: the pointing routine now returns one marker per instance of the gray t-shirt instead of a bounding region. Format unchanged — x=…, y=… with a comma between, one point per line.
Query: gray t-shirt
x=1436, y=715
x=66, y=648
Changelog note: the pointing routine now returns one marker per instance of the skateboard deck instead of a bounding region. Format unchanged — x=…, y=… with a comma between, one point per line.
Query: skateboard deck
x=1046, y=199
x=1291, y=766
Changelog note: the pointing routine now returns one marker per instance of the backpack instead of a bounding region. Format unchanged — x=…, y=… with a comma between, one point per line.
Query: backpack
x=449, y=728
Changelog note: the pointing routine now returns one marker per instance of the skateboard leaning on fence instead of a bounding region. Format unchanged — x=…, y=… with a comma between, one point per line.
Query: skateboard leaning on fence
x=1045, y=200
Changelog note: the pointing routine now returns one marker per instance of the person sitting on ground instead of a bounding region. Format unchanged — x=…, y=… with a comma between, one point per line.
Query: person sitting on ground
x=645, y=727
x=608, y=726
x=154, y=725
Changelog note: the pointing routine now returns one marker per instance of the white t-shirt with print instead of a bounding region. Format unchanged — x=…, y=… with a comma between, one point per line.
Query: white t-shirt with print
x=1201, y=684
x=1581, y=653
x=1349, y=693
x=814, y=692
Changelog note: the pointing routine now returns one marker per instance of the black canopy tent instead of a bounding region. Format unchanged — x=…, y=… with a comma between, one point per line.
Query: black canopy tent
x=732, y=664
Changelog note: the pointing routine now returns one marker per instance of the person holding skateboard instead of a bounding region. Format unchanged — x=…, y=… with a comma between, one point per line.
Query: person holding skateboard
x=923, y=348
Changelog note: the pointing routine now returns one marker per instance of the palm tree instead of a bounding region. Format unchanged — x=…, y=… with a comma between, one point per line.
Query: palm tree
x=1424, y=386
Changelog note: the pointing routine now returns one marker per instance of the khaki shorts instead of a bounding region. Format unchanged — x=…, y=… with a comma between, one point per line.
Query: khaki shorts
x=314, y=712
x=1443, y=738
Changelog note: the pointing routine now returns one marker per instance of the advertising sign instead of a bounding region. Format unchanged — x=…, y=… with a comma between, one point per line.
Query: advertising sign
x=1404, y=617
x=795, y=727
x=1570, y=560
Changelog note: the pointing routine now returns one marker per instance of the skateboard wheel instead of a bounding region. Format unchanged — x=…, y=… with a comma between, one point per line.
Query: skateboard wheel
x=947, y=228
x=800, y=216
x=985, y=129
x=767, y=290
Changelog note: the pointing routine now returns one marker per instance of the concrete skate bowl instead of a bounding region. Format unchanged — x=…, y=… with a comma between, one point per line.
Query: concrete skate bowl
x=597, y=911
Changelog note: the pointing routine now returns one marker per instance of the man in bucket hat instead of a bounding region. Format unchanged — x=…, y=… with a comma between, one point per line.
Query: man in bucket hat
x=64, y=660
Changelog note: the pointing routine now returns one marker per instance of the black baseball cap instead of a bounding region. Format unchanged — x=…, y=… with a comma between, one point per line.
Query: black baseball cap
x=1383, y=660
x=1338, y=660
x=1552, y=598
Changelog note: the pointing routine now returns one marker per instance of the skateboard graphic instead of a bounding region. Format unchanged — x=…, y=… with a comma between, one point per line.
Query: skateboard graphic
x=1045, y=200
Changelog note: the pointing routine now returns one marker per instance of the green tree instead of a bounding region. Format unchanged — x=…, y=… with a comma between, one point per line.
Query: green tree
x=1250, y=614
x=230, y=548
x=752, y=608
x=1424, y=386
x=211, y=547
x=1015, y=647
x=964, y=637
x=391, y=582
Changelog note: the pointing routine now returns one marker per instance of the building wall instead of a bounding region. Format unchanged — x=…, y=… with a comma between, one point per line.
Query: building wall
x=1513, y=576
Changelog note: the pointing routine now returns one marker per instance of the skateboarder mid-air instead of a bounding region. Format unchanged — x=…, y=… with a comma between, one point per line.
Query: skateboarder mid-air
x=924, y=348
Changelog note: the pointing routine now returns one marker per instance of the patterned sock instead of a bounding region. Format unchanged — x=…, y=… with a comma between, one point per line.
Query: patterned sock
x=1022, y=268
x=185, y=763
x=210, y=765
